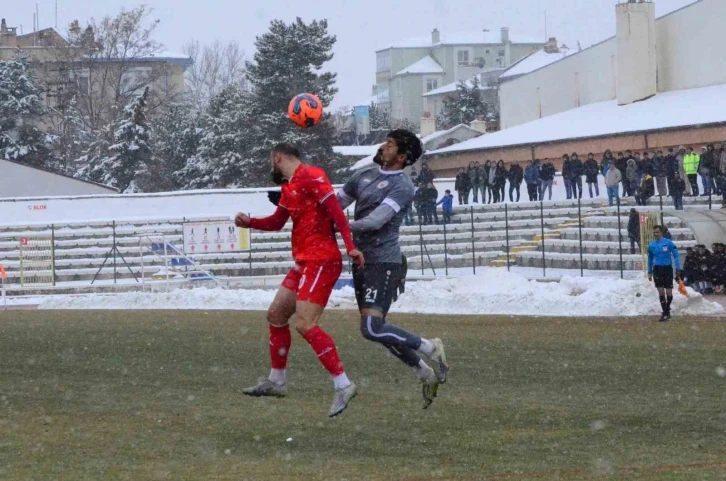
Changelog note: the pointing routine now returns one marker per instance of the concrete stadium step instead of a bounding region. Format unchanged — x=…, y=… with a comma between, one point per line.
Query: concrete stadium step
x=566, y=246
x=572, y=261
x=612, y=222
x=611, y=235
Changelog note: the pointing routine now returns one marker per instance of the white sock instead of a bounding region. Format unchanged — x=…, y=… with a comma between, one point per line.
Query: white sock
x=422, y=370
x=427, y=347
x=341, y=381
x=278, y=376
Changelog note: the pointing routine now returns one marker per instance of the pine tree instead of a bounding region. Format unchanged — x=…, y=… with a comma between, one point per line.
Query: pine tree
x=289, y=61
x=20, y=109
x=125, y=163
x=176, y=139
x=464, y=106
x=226, y=134
x=72, y=137
x=379, y=117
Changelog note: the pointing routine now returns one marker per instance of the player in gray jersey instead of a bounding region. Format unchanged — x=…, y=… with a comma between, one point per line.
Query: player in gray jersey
x=382, y=193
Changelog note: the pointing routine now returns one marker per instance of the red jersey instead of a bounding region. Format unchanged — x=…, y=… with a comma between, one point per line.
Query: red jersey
x=313, y=238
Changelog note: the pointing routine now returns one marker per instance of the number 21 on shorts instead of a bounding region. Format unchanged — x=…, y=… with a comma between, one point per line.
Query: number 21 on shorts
x=371, y=295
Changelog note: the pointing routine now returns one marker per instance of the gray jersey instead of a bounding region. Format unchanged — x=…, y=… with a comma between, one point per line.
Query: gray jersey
x=371, y=188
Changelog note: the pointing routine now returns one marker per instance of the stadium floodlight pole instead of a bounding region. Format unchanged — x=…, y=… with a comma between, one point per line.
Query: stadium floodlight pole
x=446, y=253
x=506, y=231
x=620, y=241
x=579, y=224
x=541, y=218
x=473, y=246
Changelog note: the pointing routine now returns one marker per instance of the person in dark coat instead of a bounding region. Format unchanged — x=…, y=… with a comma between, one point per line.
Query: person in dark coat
x=677, y=190
x=418, y=203
x=566, y=175
x=605, y=159
x=718, y=274
x=690, y=269
x=621, y=163
x=500, y=181
x=516, y=176
x=576, y=172
x=660, y=172
x=474, y=180
x=426, y=176
x=634, y=230
x=431, y=195
x=706, y=170
x=646, y=166
x=486, y=185
x=531, y=178
x=591, y=172
x=703, y=269
x=447, y=206
x=462, y=186
x=547, y=178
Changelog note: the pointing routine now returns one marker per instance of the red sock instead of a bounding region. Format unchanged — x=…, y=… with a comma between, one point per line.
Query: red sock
x=280, y=342
x=324, y=347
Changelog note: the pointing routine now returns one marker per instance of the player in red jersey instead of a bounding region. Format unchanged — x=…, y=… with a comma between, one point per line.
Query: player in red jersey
x=309, y=199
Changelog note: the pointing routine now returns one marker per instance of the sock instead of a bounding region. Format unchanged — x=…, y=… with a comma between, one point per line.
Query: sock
x=278, y=376
x=280, y=341
x=668, y=304
x=427, y=347
x=341, y=381
x=422, y=370
x=324, y=347
x=664, y=304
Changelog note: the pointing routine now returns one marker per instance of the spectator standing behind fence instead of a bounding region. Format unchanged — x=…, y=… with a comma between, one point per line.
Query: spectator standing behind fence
x=680, y=158
x=578, y=170
x=690, y=165
x=426, y=176
x=516, y=175
x=721, y=175
x=418, y=202
x=622, y=165
x=707, y=170
x=634, y=230
x=431, y=197
x=613, y=178
x=567, y=175
x=607, y=156
x=531, y=178
x=660, y=170
x=677, y=189
x=500, y=180
x=475, y=181
x=591, y=172
x=646, y=166
x=447, y=206
x=486, y=186
x=547, y=177
x=631, y=174
x=462, y=186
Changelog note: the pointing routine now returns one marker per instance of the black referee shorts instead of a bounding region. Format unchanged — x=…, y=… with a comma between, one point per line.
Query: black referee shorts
x=375, y=285
x=663, y=277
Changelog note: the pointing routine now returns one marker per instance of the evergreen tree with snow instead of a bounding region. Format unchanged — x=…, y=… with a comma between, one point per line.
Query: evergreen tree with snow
x=72, y=137
x=20, y=109
x=289, y=61
x=464, y=106
x=177, y=134
x=125, y=163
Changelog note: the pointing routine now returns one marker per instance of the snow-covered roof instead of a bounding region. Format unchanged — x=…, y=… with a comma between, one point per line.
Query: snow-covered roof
x=465, y=38
x=443, y=133
x=355, y=150
x=425, y=65
x=449, y=88
x=675, y=109
x=535, y=62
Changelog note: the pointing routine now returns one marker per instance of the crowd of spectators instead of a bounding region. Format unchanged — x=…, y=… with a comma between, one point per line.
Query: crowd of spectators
x=704, y=270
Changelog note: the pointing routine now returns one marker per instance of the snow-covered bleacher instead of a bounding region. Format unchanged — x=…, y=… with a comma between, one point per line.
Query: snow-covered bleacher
x=82, y=247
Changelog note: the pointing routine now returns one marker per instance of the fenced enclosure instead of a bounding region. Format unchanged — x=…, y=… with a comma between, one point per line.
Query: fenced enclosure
x=544, y=239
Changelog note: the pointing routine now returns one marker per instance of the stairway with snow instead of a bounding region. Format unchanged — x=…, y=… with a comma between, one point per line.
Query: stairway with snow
x=81, y=248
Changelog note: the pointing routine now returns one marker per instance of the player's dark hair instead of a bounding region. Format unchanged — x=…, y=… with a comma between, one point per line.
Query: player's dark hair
x=286, y=149
x=659, y=227
x=408, y=144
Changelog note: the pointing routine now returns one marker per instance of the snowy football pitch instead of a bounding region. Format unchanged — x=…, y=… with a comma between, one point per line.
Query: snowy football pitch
x=145, y=395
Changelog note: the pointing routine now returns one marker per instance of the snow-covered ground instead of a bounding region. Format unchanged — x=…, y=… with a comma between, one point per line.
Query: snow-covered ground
x=491, y=291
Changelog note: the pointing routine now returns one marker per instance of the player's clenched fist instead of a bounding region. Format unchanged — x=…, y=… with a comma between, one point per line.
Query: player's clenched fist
x=242, y=220
x=357, y=257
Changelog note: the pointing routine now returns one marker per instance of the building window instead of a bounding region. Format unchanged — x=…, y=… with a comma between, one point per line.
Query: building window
x=135, y=79
x=431, y=84
x=501, y=52
x=462, y=57
x=487, y=51
x=383, y=61
x=83, y=84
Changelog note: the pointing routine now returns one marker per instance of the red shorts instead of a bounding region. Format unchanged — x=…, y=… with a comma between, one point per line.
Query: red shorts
x=313, y=280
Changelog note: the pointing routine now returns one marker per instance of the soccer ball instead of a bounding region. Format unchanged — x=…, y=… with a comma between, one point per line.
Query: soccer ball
x=305, y=110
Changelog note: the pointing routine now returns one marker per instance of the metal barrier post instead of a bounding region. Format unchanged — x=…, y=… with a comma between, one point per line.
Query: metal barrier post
x=506, y=231
x=446, y=252
x=420, y=243
x=620, y=241
x=579, y=224
x=114, y=252
x=541, y=217
x=52, y=250
x=473, y=247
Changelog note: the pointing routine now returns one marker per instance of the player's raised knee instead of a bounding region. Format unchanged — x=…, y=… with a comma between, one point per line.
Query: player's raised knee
x=276, y=317
x=370, y=326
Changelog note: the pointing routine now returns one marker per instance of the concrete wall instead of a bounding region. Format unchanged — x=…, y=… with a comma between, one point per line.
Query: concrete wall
x=17, y=180
x=689, y=46
x=636, y=51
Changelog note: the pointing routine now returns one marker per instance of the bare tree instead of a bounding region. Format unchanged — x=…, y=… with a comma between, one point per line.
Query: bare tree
x=214, y=67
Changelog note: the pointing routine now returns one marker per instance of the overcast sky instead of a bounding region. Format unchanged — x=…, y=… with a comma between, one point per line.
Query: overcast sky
x=361, y=26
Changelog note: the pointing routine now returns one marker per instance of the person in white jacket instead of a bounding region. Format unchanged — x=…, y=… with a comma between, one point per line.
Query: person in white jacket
x=613, y=177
